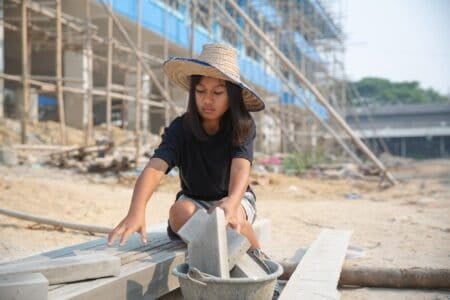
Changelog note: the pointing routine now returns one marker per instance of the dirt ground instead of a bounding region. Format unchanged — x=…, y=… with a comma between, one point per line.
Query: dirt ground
x=407, y=225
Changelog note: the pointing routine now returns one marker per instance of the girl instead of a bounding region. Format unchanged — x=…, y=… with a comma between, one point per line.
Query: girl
x=211, y=144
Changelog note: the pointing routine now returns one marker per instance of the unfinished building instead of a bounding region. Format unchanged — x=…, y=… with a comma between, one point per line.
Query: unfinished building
x=85, y=63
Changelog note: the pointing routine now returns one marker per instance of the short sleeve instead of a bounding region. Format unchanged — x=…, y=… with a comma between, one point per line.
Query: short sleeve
x=169, y=149
x=245, y=150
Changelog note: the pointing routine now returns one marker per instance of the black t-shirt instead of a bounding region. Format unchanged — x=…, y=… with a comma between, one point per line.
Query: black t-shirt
x=204, y=166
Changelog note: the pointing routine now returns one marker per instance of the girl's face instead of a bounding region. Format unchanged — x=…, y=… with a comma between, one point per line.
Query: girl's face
x=211, y=98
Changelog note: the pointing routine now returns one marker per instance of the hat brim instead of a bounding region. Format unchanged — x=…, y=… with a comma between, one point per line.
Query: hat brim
x=179, y=70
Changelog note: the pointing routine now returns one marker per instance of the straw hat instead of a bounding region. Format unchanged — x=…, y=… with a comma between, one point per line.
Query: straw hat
x=218, y=61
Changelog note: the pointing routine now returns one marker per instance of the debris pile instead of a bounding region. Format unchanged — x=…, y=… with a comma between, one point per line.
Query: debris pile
x=112, y=153
x=278, y=164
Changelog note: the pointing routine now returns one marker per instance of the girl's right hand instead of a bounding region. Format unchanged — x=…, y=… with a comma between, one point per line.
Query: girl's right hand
x=133, y=222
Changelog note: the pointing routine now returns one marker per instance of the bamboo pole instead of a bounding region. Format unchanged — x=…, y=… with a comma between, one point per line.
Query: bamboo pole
x=293, y=90
x=25, y=83
x=50, y=87
x=63, y=224
x=61, y=112
x=166, y=79
x=45, y=11
x=316, y=93
x=88, y=51
x=137, y=123
x=193, y=11
x=109, y=74
x=139, y=57
x=416, y=278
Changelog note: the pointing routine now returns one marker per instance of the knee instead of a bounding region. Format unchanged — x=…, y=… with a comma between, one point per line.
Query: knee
x=180, y=212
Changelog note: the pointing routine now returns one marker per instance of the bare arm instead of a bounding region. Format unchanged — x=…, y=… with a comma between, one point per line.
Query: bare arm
x=145, y=185
x=239, y=178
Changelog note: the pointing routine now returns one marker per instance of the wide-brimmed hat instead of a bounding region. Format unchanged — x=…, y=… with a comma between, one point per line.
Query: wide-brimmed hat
x=215, y=60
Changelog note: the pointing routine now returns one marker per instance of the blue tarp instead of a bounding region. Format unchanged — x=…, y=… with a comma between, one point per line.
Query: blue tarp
x=47, y=100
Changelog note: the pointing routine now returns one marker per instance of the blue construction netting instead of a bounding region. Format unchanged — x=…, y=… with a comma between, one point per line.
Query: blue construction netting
x=304, y=96
x=175, y=25
x=266, y=9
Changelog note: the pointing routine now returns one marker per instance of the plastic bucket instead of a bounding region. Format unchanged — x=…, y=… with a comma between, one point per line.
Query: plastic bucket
x=195, y=285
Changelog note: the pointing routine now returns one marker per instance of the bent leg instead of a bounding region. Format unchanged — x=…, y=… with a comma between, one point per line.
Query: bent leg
x=180, y=212
x=183, y=209
x=247, y=229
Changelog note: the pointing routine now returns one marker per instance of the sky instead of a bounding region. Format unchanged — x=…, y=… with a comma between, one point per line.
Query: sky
x=401, y=40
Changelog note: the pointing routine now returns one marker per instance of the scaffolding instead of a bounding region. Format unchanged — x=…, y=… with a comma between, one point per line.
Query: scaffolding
x=102, y=63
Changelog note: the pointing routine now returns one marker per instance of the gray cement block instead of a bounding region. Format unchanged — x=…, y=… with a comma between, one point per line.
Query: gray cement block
x=246, y=266
x=68, y=269
x=23, y=287
x=209, y=252
x=194, y=227
x=237, y=246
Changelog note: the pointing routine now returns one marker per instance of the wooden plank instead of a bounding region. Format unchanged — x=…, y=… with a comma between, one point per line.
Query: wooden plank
x=23, y=287
x=317, y=274
x=69, y=269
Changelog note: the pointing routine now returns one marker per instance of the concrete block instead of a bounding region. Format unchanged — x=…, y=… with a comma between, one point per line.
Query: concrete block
x=23, y=287
x=68, y=269
x=246, y=266
x=194, y=227
x=8, y=156
x=237, y=246
x=209, y=252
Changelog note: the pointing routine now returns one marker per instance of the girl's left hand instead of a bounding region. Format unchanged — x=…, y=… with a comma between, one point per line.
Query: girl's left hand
x=231, y=211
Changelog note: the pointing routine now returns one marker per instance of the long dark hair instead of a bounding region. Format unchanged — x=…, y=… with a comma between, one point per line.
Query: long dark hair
x=236, y=118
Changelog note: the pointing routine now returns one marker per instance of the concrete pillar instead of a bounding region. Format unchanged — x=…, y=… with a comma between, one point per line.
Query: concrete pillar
x=442, y=153
x=403, y=147
x=76, y=105
x=2, y=62
x=145, y=110
x=33, y=104
x=130, y=83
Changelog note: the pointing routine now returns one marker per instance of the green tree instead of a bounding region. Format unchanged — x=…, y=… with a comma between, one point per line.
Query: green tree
x=381, y=91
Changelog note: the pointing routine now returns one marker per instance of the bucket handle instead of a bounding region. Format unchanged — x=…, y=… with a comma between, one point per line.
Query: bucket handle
x=195, y=275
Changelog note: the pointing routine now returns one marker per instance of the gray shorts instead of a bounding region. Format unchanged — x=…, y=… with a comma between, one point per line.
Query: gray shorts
x=247, y=202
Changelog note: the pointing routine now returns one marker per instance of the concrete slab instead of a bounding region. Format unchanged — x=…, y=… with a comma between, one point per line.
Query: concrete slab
x=23, y=286
x=246, y=266
x=237, y=246
x=208, y=252
x=194, y=227
x=68, y=269
x=317, y=274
